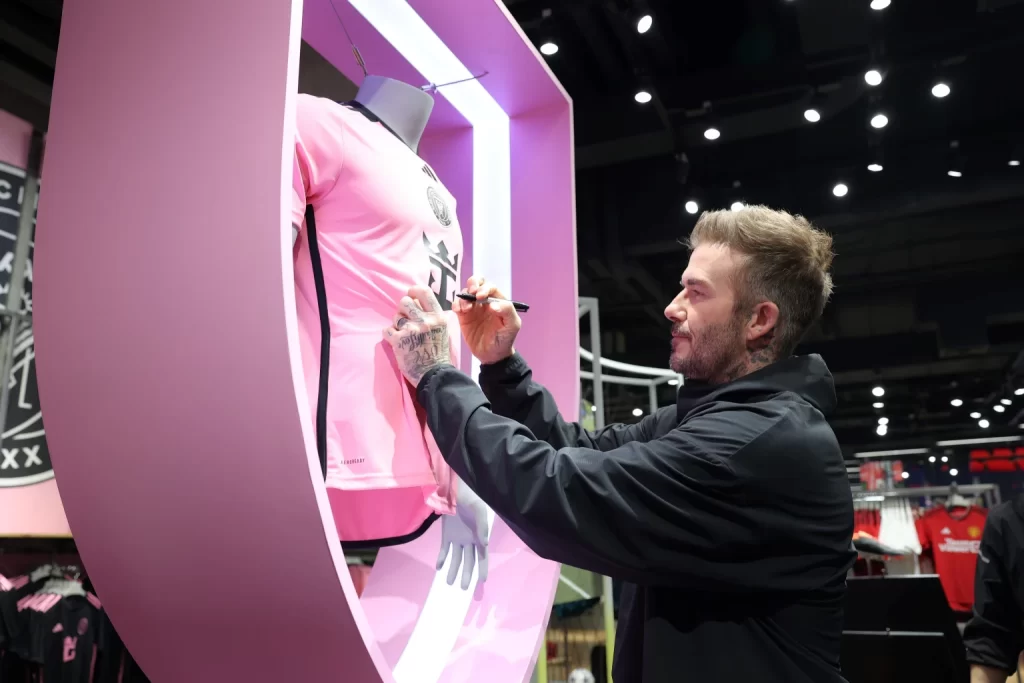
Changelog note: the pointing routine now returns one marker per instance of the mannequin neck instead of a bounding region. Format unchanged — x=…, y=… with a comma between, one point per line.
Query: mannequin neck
x=404, y=108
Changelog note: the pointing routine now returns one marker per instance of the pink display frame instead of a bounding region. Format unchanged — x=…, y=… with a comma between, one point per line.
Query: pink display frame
x=167, y=346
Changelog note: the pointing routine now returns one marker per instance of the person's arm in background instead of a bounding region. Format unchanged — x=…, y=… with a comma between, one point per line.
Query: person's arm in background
x=994, y=637
x=507, y=381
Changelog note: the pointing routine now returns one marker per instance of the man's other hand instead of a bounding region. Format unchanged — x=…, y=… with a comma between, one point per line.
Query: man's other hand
x=490, y=329
x=419, y=335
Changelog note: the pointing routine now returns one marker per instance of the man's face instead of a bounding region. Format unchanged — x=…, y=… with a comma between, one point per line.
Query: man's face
x=708, y=336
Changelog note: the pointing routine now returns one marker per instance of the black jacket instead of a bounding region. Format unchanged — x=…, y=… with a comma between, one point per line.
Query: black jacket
x=729, y=514
x=994, y=636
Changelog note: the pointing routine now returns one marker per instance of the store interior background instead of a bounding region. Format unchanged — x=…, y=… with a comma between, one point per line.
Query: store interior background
x=929, y=304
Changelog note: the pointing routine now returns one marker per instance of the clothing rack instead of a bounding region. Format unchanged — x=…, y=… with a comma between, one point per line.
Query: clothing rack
x=989, y=491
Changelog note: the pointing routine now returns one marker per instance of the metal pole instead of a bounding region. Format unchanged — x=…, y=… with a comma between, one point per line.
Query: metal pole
x=595, y=348
x=652, y=394
x=22, y=245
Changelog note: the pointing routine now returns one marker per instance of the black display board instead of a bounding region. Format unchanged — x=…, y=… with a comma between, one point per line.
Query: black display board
x=24, y=456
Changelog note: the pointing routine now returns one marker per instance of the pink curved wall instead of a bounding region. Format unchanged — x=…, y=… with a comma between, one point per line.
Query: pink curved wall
x=168, y=360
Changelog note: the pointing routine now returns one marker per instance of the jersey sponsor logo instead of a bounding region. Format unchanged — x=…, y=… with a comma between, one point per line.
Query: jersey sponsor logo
x=974, y=532
x=439, y=206
x=444, y=272
x=24, y=456
x=958, y=546
x=70, y=646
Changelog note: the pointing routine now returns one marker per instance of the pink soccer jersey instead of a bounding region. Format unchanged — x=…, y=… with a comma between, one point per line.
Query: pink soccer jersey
x=385, y=223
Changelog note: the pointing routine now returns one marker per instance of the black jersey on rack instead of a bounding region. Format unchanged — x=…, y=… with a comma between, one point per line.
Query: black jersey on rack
x=63, y=639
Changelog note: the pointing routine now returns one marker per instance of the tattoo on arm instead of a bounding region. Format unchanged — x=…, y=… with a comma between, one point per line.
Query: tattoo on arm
x=425, y=351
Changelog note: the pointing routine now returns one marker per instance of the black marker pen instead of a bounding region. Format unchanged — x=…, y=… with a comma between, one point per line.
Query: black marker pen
x=519, y=306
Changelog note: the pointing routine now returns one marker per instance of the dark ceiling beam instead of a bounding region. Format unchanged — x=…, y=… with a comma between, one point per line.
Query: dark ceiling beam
x=908, y=205
x=611, y=69
x=768, y=121
x=940, y=368
x=644, y=76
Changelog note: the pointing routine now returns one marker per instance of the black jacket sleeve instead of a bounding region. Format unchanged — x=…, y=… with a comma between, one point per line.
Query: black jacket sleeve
x=512, y=393
x=994, y=636
x=671, y=511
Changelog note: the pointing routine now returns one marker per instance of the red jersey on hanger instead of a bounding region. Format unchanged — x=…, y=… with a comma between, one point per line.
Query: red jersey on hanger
x=954, y=539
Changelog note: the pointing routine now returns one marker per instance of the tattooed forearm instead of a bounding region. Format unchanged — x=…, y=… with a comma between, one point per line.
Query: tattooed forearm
x=424, y=351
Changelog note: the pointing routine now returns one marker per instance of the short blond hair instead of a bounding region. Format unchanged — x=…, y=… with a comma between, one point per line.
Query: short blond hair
x=787, y=261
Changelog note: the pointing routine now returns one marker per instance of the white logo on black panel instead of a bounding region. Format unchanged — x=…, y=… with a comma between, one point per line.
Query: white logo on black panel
x=439, y=206
x=24, y=456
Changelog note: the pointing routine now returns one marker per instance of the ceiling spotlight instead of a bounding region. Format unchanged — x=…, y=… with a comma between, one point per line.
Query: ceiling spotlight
x=1006, y=401
x=712, y=134
x=1014, y=162
x=983, y=424
x=637, y=412
x=953, y=173
x=940, y=90
x=999, y=409
x=975, y=415
x=691, y=207
x=879, y=121
x=953, y=472
x=882, y=430
x=593, y=409
x=548, y=49
x=873, y=77
x=945, y=459
x=673, y=382
x=956, y=403
x=878, y=391
x=1019, y=392
x=879, y=5
x=812, y=115
x=879, y=404
x=736, y=206
x=883, y=420
x=906, y=475
x=874, y=168
x=931, y=458
x=643, y=97
x=643, y=25
x=840, y=190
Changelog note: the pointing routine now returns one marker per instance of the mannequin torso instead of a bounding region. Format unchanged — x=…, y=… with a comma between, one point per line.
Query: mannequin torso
x=404, y=109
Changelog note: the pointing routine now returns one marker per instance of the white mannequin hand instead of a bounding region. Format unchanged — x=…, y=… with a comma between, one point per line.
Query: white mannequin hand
x=468, y=533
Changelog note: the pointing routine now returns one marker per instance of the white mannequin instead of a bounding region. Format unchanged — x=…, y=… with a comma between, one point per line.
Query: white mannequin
x=404, y=108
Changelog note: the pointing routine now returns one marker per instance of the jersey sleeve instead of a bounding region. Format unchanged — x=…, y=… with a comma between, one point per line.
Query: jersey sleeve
x=922, y=533
x=319, y=151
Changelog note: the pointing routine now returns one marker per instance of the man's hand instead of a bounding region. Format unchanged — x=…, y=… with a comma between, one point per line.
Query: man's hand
x=490, y=329
x=419, y=335
x=465, y=535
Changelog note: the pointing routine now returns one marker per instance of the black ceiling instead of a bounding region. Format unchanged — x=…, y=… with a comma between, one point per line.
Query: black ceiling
x=929, y=299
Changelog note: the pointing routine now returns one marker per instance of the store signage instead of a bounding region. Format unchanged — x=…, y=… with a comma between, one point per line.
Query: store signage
x=24, y=457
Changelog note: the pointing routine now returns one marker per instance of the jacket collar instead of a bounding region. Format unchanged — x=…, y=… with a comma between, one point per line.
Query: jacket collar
x=806, y=376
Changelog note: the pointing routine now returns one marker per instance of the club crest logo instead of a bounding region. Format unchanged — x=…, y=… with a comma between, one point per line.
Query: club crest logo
x=974, y=532
x=439, y=206
x=24, y=456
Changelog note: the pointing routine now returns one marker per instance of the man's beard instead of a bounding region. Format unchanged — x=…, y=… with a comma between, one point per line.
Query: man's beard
x=712, y=353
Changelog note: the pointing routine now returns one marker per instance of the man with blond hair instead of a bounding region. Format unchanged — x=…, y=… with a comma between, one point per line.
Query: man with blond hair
x=729, y=515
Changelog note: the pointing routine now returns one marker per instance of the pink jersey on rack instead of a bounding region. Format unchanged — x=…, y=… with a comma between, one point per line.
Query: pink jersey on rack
x=385, y=223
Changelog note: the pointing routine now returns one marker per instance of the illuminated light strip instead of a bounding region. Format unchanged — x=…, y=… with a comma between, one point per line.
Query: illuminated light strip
x=626, y=367
x=970, y=442
x=437, y=629
x=882, y=454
